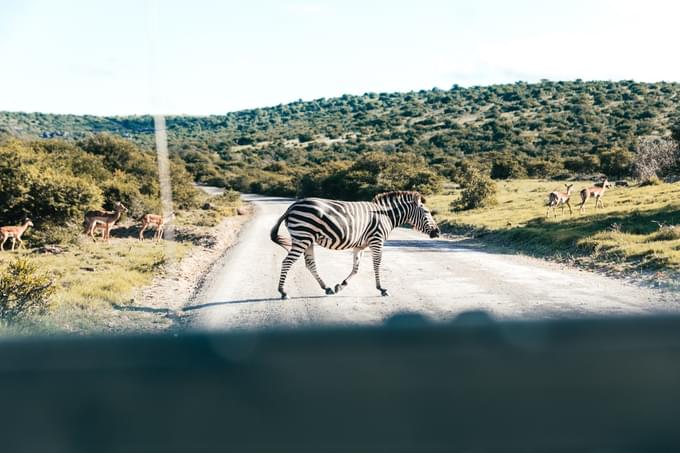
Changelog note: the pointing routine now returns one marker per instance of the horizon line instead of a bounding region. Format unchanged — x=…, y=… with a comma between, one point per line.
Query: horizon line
x=300, y=100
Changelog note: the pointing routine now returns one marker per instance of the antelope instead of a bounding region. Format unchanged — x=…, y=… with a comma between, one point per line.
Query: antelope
x=106, y=218
x=15, y=233
x=157, y=221
x=557, y=198
x=594, y=192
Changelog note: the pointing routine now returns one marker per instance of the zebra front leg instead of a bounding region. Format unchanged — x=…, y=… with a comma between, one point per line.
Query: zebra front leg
x=376, y=251
x=355, y=269
x=295, y=251
x=311, y=265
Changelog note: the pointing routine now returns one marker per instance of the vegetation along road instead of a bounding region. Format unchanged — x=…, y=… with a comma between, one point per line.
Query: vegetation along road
x=437, y=278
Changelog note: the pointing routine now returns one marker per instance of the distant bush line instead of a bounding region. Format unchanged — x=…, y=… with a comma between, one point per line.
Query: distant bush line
x=546, y=129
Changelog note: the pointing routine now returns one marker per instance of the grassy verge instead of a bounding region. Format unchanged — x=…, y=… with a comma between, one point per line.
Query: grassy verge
x=93, y=280
x=622, y=237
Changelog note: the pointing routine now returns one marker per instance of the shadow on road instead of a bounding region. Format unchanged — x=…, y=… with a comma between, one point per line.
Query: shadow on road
x=436, y=245
x=142, y=309
x=245, y=301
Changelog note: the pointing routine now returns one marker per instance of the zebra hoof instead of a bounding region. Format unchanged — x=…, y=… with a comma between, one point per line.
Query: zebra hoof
x=329, y=291
x=383, y=292
x=284, y=296
x=338, y=287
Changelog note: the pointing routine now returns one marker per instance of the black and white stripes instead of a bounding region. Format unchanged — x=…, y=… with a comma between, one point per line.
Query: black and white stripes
x=342, y=225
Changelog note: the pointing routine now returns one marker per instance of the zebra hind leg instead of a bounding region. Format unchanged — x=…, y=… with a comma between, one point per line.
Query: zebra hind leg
x=296, y=250
x=311, y=265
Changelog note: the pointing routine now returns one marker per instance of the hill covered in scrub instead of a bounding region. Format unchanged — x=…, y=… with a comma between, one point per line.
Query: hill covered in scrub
x=537, y=130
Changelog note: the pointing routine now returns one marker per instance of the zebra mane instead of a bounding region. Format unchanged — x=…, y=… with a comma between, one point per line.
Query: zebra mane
x=409, y=195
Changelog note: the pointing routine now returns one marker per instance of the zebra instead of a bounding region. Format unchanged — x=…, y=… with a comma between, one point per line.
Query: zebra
x=343, y=225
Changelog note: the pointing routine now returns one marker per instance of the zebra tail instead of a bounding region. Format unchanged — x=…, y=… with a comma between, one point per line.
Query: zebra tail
x=283, y=241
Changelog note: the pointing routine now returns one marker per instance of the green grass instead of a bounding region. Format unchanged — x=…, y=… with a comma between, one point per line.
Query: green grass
x=622, y=236
x=91, y=278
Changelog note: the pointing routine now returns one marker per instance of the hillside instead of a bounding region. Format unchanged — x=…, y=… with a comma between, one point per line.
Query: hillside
x=549, y=127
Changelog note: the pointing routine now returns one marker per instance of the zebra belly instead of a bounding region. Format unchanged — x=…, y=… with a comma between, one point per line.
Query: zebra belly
x=329, y=243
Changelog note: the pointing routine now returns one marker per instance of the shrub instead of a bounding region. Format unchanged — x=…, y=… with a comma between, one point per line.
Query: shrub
x=305, y=137
x=655, y=157
x=540, y=168
x=651, y=181
x=479, y=191
x=616, y=163
x=126, y=190
x=371, y=174
x=506, y=167
x=184, y=194
x=586, y=163
x=58, y=199
x=15, y=187
x=120, y=154
x=24, y=291
x=230, y=196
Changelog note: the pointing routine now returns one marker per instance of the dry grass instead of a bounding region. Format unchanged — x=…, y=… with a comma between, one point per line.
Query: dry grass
x=622, y=236
x=91, y=278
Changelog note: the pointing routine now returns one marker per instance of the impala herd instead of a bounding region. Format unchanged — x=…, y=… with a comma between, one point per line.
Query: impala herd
x=105, y=220
x=559, y=199
x=94, y=220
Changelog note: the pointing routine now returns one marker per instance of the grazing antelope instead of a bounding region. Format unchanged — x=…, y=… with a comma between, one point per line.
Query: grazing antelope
x=15, y=233
x=594, y=192
x=344, y=225
x=106, y=218
x=557, y=198
x=157, y=221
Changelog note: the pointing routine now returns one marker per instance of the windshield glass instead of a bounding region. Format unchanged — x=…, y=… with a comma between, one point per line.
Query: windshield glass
x=168, y=166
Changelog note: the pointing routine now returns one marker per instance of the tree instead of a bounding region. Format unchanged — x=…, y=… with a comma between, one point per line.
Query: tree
x=24, y=290
x=479, y=191
x=371, y=174
x=655, y=157
x=616, y=163
x=675, y=132
x=585, y=163
x=507, y=166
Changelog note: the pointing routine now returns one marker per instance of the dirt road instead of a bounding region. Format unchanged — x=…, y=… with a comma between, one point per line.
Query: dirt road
x=436, y=278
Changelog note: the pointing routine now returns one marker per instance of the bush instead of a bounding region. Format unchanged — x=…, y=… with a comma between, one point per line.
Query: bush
x=24, y=291
x=126, y=190
x=58, y=199
x=585, y=164
x=230, y=196
x=371, y=174
x=120, y=154
x=540, y=168
x=506, y=167
x=184, y=194
x=655, y=157
x=479, y=191
x=616, y=163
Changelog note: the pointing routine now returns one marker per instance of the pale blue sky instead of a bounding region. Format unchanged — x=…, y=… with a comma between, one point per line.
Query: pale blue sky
x=204, y=57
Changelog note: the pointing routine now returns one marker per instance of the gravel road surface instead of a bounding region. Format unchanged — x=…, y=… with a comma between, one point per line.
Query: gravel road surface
x=437, y=278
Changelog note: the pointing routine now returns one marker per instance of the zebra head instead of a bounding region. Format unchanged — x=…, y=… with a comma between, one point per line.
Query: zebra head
x=423, y=221
x=409, y=207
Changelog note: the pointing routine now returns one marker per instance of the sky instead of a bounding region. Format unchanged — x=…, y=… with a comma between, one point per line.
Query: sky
x=202, y=57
